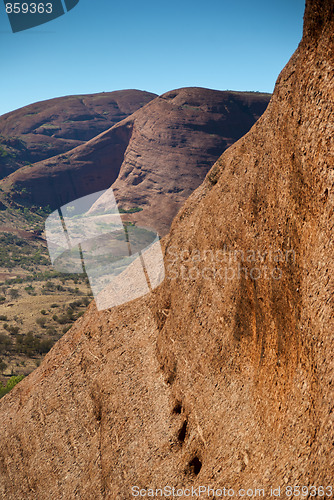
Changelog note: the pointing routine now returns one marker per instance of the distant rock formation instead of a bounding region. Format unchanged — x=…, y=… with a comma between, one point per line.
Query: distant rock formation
x=158, y=155
x=175, y=141
x=48, y=128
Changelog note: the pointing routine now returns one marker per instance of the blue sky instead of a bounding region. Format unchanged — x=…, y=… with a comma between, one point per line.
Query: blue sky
x=105, y=45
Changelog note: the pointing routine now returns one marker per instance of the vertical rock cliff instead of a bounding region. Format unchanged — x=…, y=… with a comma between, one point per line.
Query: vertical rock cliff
x=224, y=375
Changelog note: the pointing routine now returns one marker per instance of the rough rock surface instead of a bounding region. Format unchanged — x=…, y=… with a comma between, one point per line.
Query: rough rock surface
x=161, y=153
x=227, y=382
x=48, y=128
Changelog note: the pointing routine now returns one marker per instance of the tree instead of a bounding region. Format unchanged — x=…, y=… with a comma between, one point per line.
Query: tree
x=14, y=293
x=3, y=366
x=41, y=322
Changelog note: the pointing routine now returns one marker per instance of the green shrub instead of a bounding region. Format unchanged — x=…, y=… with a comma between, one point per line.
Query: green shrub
x=76, y=303
x=130, y=210
x=14, y=293
x=5, y=344
x=13, y=329
x=45, y=346
x=12, y=382
x=49, y=286
x=3, y=366
x=63, y=319
x=41, y=322
x=29, y=344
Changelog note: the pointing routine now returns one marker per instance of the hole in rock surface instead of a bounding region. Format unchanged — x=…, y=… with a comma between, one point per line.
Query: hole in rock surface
x=177, y=408
x=182, y=432
x=195, y=465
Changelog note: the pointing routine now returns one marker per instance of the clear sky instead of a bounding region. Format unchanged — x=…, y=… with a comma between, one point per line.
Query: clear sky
x=105, y=45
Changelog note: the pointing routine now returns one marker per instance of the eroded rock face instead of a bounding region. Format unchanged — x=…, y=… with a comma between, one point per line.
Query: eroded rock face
x=158, y=155
x=226, y=381
x=48, y=128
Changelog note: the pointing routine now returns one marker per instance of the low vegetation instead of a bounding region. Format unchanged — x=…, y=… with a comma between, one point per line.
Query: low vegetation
x=37, y=304
x=10, y=384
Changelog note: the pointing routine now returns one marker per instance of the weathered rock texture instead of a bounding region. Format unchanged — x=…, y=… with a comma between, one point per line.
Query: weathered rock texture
x=227, y=382
x=48, y=128
x=159, y=155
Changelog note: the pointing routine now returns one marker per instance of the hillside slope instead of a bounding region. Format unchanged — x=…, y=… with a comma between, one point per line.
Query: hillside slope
x=175, y=141
x=226, y=381
x=161, y=153
x=48, y=128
